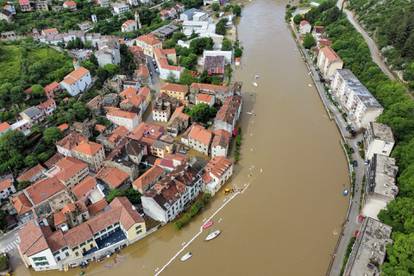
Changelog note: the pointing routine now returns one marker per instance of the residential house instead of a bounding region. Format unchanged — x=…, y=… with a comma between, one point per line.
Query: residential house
x=114, y=178
x=70, y=5
x=88, y=189
x=304, y=27
x=77, y=81
x=228, y=55
x=168, y=13
x=369, y=250
x=120, y=8
x=198, y=138
x=142, y=74
x=127, y=156
x=69, y=142
x=129, y=120
x=6, y=187
x=25, y=5
x=91, y=153
x=145, y=181
x=179, y=122
x=23, y=207
x=32, y=174
x=163, y=57
x=202, y=98
x=177, y=91
x=51, y=89
x=168, y=197
x=220, y=92
x=69, y=171
x=378, y=139
x=33, y=115
x=47, y=107
x=216, y=173
x=129, y=26
x=328, y=62
x=148, y=43
x=161, y=110
x=221, y=143
x=4, y=127
x=214, y=65
x=359, y=104
x=229, y=113
x=381, y=185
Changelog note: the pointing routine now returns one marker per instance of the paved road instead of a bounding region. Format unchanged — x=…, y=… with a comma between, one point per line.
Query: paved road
x=351, y=223
x=375, y=52
x=9, y=242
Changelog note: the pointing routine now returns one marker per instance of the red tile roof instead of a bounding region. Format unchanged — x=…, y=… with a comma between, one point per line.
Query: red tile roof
x=218, y=166
x=56, y=241
x=147, y=130
x=114, y=177
x=330, y=54
x=4, y=126
x=32, y=239
x=175, y=87
x=44, y=189
x=119, y=133
x=6, y=183
x=78, y=235
x=200, y=134
x=97, y=207
x=21, y=203
x=59, y=218
x=149, y=177
x=76, y=75
x=212, y=88
x=63, y=127
x=51, y=87
x=122, y=114
x=204, y=98
x=84, y=187
x=88, y=148
x=29, y=174
x=69, y=167
x=71, y=140
x=149, y=39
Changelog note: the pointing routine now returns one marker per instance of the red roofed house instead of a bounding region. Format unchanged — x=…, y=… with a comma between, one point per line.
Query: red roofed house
x=4, y=127
x=70, y=171
x=328, y=62
x=70, y=141
x=163, y=58
x=48, y=107
x=148, y=179
x=25, y=5
x=228, y=114
x=217, y=171
x=70, y=5
x=129, y=120
x=205, y=98
x=304, y=27
x=91, y=153
x=32, y=174
x=23, y=206
x=220, y=144
x=198, y=138
x=88, y=189
x=7, y=187
x=148, y=43
x=43, y=190
x=50, y=31
x=129, y=26
x=51, y=89
x=221, y=92
x=77, y=81
x=113, y=177
x=177, y=91
x=142, y=73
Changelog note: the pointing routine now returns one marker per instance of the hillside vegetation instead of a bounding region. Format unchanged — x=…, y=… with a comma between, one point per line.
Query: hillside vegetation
x=398, y=114
x=391, y=24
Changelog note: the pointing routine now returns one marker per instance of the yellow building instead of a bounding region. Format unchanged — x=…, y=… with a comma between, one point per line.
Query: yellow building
x=177, y=91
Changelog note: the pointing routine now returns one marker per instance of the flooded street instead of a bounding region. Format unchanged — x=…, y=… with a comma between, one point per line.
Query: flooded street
x=286, y=221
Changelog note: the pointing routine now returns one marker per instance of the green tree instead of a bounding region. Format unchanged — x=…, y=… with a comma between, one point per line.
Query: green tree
x=133, y=196
x=309, y=41
x=38, y=91
x=215, y=6
x=226, y=45
x=187, y=78
x=201, y=113
x=399, y=215
x=51, y=135
x=221, y=26
x=198, y=45
x=400, y=256
x=297, y=18
x=237, y=10
x=189, y=61
x=113, y=194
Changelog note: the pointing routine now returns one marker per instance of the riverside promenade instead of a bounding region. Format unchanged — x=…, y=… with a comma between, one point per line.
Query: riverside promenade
x=350, y=224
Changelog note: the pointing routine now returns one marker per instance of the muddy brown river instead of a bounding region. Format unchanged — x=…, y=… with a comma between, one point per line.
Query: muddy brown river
x=286, y=221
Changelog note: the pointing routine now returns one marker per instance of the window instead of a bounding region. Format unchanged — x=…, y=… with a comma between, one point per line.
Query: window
x=36, y=259
x=82, y=244
x=76, y=254
x=67, y=254
x=138, y=227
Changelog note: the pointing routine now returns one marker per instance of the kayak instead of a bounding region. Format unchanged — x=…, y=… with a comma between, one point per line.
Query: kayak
x=213, y=235
x=186, y=256
x=208, y=224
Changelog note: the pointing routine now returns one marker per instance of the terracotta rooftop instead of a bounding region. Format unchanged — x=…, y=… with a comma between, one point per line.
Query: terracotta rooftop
x=71, y=140
x=56, y=241
x=6, y=183
x=330, y=54
x=63, y=127
x=21, y=203
x=218, y=166
x=228, y=111
x=114, y=177
x=97, y=207
x=78, y=235
x=204, y=98
x=212, y=88
x=59, y=218
x=149, y=39
x=100, y=128
x=128, y=92
x=149, y=177
x=175, y=87
x=4, y=126
x=75, y=75
x=29, y=174
x=128, y=22
x=44, y=189
x=200, y=134
x=88, y=148
x=119, y=133
x=147, y=130
x=122, y=114
x=51, y=87
x=84, y=187
x=69, y=167
x=51, y=162
x=32, y=239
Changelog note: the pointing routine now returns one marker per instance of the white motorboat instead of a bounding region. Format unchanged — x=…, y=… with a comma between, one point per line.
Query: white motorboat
x=213, y=235
x=186, y=256
x=255, y=84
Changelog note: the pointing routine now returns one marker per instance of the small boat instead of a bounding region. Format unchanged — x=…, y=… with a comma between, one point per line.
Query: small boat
x=213, y=235
x=255, y=84
x=310, y=85
x=256, y=76
x=345, y=192
x=208, y=224
x=249, y=113
x=186, y=256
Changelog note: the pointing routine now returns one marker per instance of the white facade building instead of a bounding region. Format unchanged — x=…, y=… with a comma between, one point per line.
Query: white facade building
x=217, y=172
x=378, y=139
x=127, y=119
x=228, y=55
x=359, y=104
x=328, y=62
x=77, y=81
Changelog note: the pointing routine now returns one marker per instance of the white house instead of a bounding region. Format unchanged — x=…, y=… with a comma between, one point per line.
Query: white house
x=129, y=26
x=221, y=143
x=108, y=55
x=359, y=104
x=378, y=139
x=198, y=27
x=217, y=171
x=328, y=62
x=129, y=120
x=228, y=114
x=162, y=57
x=77, y=81
x=120, y=8
x=304, y=27
x=228, y=55
x=198, y=138
x=6, y=187
x=148, y=42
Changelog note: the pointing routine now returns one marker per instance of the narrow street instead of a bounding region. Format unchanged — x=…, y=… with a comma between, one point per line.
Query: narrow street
x=350, y=224
x=375, y=52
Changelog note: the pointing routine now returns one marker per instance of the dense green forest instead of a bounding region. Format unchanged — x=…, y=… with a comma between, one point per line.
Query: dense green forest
x=398, y=114
x=391, y=24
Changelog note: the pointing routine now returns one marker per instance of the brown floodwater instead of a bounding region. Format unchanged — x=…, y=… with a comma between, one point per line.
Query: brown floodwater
x=286, y=221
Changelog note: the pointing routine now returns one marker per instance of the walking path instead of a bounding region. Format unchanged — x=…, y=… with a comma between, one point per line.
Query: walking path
x=375, y=52
x=350, y=224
